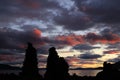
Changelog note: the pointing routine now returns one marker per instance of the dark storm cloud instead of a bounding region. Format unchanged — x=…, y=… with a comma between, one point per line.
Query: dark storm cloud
x=15, y=9
x=24, y=7
x=102, y=10
x=90, y=13
x=74, y=21
x=62, y=13
x=113, y=46
x=55, y=11
x=29, y=27
x=43, y=49
x=14, y=39
x=84, y=47
x=10, y=51
x=17, y=63
x=89, y=56
x=31, y=8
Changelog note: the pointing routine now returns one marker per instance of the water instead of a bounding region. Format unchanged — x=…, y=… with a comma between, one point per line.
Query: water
x=84, y=72
x=78, y=72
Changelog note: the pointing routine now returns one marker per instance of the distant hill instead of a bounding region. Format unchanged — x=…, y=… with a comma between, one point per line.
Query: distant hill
x=7, y=67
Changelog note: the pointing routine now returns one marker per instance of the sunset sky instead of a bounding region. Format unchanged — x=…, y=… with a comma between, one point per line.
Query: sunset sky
x=85, y=32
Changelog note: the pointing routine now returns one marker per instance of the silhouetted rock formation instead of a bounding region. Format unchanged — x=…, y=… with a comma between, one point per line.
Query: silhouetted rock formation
x=110, y=71
x=57, y=67
x=30, y=68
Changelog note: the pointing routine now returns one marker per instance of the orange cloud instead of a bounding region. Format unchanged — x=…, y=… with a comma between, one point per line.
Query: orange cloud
x=71, y=39
x=104, y=39
x=37, y=32
x=91, y=38
x=115, y=38
x=35, y=38
x=39, y=38
x=112, y=52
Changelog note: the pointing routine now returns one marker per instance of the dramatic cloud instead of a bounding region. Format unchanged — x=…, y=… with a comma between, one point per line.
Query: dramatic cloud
x=84, y=47
x=89, y=56
x=63, y=13
x=10, y=51
x=104, y=38
x=71, y=39
x=91, y=38
x=11, y=12
x=88, y=22
x=73, y=61
x=103, y=10
x=11, y=59
x=112, y=52
x=74, y=21
x=14, y=39
x=113, y=46
x=25, y=7
x=76, y=62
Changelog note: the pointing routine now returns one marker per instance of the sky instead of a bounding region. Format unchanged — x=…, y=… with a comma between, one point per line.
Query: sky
x=84, y=32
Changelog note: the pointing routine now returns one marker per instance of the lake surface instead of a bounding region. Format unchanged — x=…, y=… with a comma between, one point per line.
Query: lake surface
x=84, y=72
x=78, y=72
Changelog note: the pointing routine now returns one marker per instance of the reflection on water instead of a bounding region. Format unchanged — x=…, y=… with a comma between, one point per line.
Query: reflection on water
x=78, y=72
x=84, y=72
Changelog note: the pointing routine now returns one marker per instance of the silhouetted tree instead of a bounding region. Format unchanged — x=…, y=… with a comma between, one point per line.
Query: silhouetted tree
x=30, y=68
x=57, y=67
